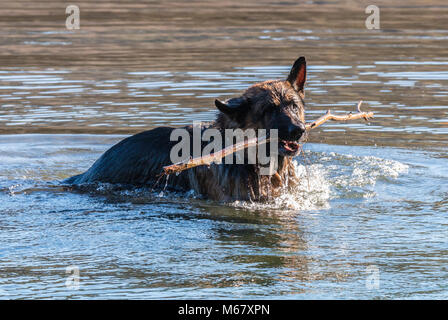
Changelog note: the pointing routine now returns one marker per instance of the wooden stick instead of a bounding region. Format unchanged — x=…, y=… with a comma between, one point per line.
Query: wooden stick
x=217, y=156
x=328, y=116
x=214, y=157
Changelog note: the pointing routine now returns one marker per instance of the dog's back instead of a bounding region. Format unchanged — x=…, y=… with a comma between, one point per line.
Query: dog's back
x=134, y=160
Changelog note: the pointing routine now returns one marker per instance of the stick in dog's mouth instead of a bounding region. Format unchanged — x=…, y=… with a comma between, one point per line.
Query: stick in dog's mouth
x=290, y=146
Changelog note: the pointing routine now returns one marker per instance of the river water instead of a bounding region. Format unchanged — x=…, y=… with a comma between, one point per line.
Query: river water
x=368, y=221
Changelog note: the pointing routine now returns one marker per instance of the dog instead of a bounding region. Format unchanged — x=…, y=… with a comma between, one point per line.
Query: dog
x=274, y=104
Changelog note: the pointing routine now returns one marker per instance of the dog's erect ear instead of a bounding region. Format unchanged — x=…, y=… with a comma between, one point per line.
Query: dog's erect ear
x=297, y=75
x=231, y=106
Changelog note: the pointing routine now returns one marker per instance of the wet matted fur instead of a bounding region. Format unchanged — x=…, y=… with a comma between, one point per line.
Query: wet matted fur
x=275, y=104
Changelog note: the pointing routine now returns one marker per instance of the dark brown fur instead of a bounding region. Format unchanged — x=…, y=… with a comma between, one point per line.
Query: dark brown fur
x=275, y=104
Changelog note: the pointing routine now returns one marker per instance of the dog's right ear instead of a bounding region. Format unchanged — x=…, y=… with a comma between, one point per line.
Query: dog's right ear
x=232, y=106
x=297, y=75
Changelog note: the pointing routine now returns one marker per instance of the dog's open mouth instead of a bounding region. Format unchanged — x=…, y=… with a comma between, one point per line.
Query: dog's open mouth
x=289, y=148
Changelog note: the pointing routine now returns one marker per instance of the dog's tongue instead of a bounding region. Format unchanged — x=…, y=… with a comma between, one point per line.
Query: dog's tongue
x=291, y=146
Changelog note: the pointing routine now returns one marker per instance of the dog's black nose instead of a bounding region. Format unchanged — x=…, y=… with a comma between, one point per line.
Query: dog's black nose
x=296, y=130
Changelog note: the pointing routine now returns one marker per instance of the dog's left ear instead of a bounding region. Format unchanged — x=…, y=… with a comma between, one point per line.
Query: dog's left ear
x=297, y=75
x=232, y=106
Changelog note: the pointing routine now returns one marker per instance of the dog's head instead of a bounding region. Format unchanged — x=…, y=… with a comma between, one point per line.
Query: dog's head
x=275, y=104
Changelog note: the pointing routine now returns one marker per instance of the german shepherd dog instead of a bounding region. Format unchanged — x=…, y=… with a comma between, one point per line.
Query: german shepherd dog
x=275, y=104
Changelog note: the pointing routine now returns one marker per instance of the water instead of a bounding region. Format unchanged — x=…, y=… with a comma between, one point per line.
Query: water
x=372, y=200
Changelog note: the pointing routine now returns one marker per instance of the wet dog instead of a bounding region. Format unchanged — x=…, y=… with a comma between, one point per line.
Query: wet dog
x=276, y=104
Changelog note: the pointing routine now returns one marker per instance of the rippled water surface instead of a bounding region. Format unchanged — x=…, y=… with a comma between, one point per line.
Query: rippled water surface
x=368, y=219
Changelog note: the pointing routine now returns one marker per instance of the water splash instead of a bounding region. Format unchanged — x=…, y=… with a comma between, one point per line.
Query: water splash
x=351, y=174
x=331, y=176
x=312, y=192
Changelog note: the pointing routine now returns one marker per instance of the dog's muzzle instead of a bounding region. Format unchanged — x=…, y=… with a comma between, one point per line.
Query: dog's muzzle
x=290, y=145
